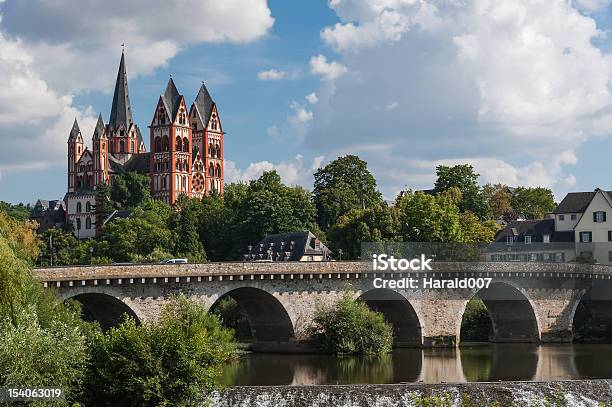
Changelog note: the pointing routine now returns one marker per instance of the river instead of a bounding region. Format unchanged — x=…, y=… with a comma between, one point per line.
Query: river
x=469, y=363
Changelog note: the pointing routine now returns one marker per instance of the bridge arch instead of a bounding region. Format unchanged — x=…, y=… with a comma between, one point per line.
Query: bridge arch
x=592, y=315
x=107, y=309
x=512, y=313
x=399, y=312
x=267, y=317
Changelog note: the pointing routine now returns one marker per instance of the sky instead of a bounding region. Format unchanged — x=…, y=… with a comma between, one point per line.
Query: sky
x=520, y=89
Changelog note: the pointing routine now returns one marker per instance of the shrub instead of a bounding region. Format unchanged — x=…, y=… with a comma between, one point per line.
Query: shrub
x=476, y=323
x=35, y=356
x=350, y=327
x=172, y=362
x=233, y=316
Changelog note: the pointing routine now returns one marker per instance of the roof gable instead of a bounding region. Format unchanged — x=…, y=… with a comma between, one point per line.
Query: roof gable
x=598, y=193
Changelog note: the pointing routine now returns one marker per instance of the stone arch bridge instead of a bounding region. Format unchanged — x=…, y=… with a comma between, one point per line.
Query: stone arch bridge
x=528, y=302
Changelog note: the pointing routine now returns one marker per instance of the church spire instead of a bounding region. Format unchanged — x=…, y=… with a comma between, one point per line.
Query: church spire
x=121, y=111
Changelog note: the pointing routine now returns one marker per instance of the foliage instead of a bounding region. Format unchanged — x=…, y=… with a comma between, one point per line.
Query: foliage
x=184, y=225
x=104, y=205
x=498, y=199
x=474, y=231
x=35, y=356
x=342, y=185
x=375, y=224
x=465, y=179
x=271, y=207
x=140, y=234
x=19, y=212
x=130, y=189
x=233, y=316
x=170, y=363
x=350, y=327
x=60, y=248
x=426, y=218
x=533, y=203
x=476, y=323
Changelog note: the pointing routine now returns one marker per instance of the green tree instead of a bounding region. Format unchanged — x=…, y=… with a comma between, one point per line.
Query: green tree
x=465, y=179
x=184, y=226
x=170, y=363
x=375, y=224
x=270, y=207
x=498, y=199
x=104, y=206
x=19, y=212
x=130, y=189
x=60, y=248
x=533, y=203
x=350, y=327
x=138, y=235
x=342, y=185
x=476, y=323
x=475, y=231
x=43, y=340
x=426, y=218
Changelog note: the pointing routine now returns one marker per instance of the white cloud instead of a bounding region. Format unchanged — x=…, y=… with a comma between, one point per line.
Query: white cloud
x=312, y=98
x=49, y=51
x=328, y=71
x=271, y=75
x=301, y=115
x=593, y=5
x=293, y=172
x=81, y=38
x=514, y=86
x=274, y=132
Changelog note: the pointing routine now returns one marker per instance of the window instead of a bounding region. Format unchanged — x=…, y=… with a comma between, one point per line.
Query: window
x=573, y=217
x=509, y=240
x=527, y=239
x=559, y=257
x=88, y=207
x=185, y=145
x=561, y=217
x=88, y=223
x=132, y=149
x=546, y=238
x=79, y=207
x=610, y=256
x=179, y=143
x=586, y=237
x=609, y=235
x=122, y=146
x=78, y=223
x=599, y=216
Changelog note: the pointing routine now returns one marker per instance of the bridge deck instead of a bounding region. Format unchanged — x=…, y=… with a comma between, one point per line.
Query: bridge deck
x=299, y=269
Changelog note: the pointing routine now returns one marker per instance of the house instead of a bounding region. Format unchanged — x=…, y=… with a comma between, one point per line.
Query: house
x=49, y=214
x=294, y=246
x=577, y=228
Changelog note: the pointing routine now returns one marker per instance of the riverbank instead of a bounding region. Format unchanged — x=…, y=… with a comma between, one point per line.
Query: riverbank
x=573, y=393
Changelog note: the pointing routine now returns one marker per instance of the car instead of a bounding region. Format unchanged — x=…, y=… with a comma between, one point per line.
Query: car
x=175, y=261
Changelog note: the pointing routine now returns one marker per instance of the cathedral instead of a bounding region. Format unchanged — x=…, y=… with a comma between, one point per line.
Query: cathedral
x=186, y=154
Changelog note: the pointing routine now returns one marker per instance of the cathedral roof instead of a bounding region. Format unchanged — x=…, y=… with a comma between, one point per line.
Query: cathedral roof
x=74, y=133
x=172, y=99
x=121, y=111
x=204, y=104
x=99, y=131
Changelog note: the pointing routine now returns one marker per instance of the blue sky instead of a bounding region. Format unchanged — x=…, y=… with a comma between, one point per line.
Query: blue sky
x=520, y=89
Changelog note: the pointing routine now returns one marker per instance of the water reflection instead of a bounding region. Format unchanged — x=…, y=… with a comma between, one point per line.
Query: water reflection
x=489, y=362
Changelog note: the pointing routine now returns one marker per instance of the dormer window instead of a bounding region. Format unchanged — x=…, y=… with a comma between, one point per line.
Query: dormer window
x=509, y=240
x=527, y=239
x=599, y=216
x=546, y=238
x=561, y=217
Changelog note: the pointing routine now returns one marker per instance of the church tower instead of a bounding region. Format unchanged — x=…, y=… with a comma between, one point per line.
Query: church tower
x=124, y=138
x=100, y=154
x=76, y=147
x=171, y=145
x=208, y=140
